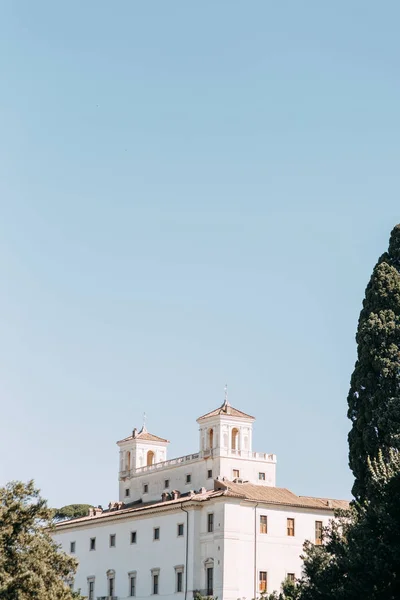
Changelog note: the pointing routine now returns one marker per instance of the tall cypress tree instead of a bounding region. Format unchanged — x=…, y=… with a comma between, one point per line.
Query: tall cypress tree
x=374, y=396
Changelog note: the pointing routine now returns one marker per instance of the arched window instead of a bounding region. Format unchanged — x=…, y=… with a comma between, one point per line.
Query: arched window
x=211, y=438
x=235, y=439
x=128, y=461
x=150, y=458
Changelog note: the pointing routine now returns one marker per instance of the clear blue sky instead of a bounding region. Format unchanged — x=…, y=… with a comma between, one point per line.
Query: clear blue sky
x=192, y=193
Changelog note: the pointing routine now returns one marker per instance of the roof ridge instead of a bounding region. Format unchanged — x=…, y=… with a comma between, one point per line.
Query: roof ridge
x=144, y=435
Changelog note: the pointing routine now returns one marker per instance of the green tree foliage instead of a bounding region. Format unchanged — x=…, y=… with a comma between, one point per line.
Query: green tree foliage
x=360, y=558
x=374, y=396
x=31, y=564
x=290, y=591
x=72, y=511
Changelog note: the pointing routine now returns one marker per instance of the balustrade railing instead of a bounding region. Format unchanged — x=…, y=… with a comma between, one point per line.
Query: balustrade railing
x=191, y=457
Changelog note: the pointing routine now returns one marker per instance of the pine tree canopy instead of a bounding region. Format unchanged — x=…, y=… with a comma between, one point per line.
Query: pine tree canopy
x=71, y=511
x=374, y=396
x=31, y=564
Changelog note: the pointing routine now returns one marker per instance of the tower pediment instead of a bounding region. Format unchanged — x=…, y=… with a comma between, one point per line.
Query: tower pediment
x=144, y=436
x=226, y=410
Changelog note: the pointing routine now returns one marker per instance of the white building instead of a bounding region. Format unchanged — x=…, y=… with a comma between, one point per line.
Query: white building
x=212, y=521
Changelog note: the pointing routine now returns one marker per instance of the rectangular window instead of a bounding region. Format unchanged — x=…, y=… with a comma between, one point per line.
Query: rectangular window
x=209, y=473
x=318, y=533
x=112, y=540
x=261, y=476
x=180, y=529
x=145, y=488
x=156, y=533
x=210, y=522
x=91, y=589
x=291, y=577
x=111, y=586
x=166, y=483
x=92, y=544
x=263, y=582
x=133, y=537
x=290, y=527
x=188, y=478
x=127, y=493
x=72, y=547
x=155, y=583
x=263, y=524
x=235, y=473
x=210, y=581
x=179, y=581
x=132, y=585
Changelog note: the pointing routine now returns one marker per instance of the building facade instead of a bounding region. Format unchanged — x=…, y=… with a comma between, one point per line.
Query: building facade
x=212, y=522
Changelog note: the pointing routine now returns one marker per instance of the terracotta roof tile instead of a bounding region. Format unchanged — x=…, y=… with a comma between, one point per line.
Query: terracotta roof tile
x=274, y=495
x=143, y=506
x=336, y=504
x=245, y=491
x=228, y=410
x=144, y=435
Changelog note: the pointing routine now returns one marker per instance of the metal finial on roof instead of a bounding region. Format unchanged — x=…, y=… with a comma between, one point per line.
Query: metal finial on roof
x=144, y=422
x=226, y=401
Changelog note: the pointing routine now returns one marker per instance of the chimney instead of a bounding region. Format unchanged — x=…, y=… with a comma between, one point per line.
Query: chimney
x=94, y=512
x=175, y=494
x=134, y=433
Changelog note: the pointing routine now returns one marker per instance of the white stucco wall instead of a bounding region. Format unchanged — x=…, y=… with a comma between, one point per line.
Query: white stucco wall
x=217, y=453
x=146, y=554
x=231, y=547
x=236, y=548
x=220, y=466
x=275, y=552
x=155, y=477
